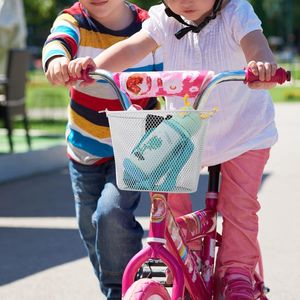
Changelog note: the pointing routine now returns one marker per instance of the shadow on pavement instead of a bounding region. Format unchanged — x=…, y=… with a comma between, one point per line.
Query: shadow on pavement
x=25, y=251
x=43, y=195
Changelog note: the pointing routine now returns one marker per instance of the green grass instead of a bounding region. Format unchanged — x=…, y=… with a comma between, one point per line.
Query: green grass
x=56, y=127
x=44, y=134
x=46, y=96
x=38, y=142
x=40, y=93
x=285, y=94
x=293, y=68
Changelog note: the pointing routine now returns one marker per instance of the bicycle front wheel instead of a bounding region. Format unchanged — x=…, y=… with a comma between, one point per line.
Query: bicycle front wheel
x=146, y=289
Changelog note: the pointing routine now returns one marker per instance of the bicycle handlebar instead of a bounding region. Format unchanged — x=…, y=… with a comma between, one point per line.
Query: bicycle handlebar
x=206, y=83
x=246, y=75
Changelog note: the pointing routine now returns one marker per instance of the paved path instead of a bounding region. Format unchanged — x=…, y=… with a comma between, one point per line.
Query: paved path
x=42, y=257
x=280, y=201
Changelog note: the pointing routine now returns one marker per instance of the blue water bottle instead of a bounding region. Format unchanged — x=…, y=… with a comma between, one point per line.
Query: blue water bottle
x=155, y=162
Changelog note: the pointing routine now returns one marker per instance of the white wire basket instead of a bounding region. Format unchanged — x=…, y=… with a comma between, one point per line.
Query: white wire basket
x=158, y=150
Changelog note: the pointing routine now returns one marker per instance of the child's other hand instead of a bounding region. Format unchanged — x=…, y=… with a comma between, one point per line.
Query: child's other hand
x=57, y=71
x=264, y=71
x=76, y=66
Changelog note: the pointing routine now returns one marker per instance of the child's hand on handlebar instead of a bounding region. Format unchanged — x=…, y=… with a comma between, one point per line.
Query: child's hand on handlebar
x=77, y=66
x=57, y=70
x=264, y=71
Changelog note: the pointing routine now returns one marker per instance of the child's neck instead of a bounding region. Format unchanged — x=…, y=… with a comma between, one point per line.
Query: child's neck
x=201, y=19
x=119, y=19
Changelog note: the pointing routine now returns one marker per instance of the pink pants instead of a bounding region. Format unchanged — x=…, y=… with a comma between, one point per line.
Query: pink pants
x=238, y=205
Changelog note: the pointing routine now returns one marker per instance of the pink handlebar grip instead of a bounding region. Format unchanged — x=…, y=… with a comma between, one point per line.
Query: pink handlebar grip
x=85, y=76
x=280, y=76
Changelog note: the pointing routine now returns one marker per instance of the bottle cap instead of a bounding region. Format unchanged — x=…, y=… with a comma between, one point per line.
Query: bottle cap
x=188, y=119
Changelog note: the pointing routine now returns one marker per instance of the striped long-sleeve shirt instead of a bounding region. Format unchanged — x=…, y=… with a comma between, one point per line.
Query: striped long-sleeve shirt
x=76, y=34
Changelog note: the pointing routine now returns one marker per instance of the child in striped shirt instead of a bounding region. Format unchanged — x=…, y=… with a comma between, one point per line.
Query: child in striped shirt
x=105, y=214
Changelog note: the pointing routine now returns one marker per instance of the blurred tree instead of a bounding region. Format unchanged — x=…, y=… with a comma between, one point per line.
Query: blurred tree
x=278, y=17
x=259, y=9
x=40, y=15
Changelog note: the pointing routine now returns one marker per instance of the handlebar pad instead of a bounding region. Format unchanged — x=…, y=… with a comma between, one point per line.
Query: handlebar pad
x=281, y=76
x=167, y=83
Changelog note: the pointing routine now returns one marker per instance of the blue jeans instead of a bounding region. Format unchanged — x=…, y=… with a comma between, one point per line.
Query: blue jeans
x=106, y=222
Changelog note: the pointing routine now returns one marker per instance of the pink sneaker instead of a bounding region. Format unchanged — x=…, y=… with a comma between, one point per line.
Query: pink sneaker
x=237, y=285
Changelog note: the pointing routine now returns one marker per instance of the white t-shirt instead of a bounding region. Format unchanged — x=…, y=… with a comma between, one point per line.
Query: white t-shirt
x=245, y=120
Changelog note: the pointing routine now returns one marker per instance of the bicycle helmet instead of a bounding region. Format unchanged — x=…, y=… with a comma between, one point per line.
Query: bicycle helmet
x=196, y=29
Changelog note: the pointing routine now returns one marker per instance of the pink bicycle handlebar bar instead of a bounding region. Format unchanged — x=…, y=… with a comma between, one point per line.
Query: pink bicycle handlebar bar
x=196, y=84
x=281, y=75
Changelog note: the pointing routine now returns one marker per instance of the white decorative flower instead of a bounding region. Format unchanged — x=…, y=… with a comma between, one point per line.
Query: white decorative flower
x=193, y=89
x=173, y=86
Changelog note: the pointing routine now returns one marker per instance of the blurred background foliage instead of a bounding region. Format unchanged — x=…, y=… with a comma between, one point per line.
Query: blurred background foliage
x=279, y=19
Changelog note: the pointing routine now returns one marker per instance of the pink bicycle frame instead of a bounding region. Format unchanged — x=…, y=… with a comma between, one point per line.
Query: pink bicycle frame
x=164, y=229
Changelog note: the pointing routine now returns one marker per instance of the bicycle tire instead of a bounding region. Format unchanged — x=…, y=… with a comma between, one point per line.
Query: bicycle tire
x=146, y=289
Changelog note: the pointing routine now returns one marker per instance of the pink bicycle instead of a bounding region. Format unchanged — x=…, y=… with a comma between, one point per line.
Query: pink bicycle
x=160, y=152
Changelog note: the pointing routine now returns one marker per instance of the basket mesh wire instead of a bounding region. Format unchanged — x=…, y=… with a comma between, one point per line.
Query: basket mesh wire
x=158, y=150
